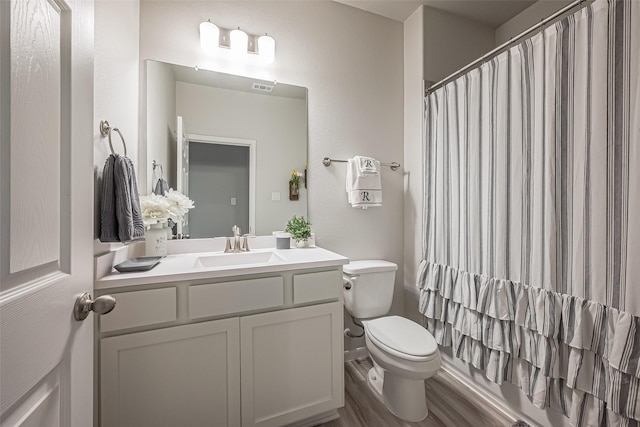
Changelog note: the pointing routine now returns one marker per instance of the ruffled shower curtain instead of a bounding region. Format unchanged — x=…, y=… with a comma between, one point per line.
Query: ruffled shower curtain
x=531, y=268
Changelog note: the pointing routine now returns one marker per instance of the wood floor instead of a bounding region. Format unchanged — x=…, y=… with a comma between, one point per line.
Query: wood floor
x=447, y=408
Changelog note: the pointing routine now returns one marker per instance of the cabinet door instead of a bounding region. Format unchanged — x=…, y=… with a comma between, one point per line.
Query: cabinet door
x=181, y=376
x=292, y=364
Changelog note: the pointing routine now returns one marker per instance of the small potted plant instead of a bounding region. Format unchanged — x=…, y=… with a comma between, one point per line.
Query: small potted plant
x=300, y=230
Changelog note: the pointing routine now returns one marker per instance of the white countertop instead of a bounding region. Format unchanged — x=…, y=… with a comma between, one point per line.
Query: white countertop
x=183, y=267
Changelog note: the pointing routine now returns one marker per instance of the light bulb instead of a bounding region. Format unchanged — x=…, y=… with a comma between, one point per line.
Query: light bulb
x=209, y=36
x=239, y=41
x=267, y=48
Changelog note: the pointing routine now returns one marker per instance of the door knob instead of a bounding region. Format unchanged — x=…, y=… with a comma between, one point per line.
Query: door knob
x=84, y=304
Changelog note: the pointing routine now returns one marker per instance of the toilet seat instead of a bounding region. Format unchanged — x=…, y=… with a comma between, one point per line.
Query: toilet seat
x=402, y=338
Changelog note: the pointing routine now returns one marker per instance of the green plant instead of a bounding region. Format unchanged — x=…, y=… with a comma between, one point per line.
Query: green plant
x=299, y=228
x=295, y=178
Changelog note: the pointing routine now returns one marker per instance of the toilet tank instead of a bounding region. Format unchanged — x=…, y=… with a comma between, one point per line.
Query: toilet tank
x=368, y=287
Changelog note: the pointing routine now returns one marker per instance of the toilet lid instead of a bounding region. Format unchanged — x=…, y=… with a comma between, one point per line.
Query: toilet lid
x=402, y=335
x=369, y=266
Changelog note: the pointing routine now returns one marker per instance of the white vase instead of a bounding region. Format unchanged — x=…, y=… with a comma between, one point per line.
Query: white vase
x=156, y=240
x=302, y=243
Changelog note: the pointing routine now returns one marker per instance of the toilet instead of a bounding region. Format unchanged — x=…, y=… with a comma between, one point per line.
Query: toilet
x=404, y=354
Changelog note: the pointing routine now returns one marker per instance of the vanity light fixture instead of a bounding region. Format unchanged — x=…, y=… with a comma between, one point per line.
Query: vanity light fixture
x=239, y=44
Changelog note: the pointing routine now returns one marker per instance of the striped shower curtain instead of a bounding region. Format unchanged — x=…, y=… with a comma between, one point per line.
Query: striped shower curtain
x=531, y=268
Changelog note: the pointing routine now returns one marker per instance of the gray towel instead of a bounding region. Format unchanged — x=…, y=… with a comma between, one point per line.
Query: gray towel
x=161, y=187
x=120, y=216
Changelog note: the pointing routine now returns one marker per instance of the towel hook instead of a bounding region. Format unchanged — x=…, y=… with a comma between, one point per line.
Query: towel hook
x=158, y=165
x=105, y=130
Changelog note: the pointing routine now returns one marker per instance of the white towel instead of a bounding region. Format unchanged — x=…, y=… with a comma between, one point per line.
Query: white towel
x=367, y=165
x=363, y=190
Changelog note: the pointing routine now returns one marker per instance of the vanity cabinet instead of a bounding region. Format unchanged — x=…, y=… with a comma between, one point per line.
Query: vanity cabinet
x=211, y=357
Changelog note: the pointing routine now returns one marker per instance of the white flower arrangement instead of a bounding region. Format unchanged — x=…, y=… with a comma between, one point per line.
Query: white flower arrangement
x=158, y=209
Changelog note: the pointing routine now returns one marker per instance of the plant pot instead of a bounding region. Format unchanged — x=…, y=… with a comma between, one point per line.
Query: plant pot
x=302, y=243
x=294, y=191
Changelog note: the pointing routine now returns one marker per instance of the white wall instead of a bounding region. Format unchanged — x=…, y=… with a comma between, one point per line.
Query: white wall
x=161, y=94
x=115, y=82
x=451, y=42
x=527, y=18
x=279, y=127
x=413, y=123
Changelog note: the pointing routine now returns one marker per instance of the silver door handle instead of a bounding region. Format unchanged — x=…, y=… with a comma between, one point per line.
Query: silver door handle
x=84, y=304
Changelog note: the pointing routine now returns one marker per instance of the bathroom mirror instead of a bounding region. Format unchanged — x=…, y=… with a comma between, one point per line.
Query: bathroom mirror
x=228, y=142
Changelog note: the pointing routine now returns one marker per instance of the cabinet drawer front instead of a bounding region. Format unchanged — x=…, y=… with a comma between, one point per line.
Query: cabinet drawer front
x=217, y=299
x=140, y=308
x=320, y=286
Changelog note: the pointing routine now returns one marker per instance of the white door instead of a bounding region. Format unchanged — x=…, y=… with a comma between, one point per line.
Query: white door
x=46, y=211
x=182, y=163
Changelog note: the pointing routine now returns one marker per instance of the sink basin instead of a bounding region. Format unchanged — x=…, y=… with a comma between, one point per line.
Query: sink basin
x=235, y=259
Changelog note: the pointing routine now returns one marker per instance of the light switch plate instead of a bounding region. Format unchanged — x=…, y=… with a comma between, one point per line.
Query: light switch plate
x=275, y=196
x=233, y=201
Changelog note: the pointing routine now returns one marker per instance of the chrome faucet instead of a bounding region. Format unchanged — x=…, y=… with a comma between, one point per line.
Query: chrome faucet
x=237, y=246
x=236, y=238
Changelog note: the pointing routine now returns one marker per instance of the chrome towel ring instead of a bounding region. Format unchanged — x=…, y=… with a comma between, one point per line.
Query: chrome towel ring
x=106, y=129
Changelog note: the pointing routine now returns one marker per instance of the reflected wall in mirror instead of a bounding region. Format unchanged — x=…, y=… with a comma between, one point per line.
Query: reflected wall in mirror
x=228, y=143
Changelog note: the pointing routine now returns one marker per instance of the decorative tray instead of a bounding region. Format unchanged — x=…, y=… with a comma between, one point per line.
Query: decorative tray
x=142, y=263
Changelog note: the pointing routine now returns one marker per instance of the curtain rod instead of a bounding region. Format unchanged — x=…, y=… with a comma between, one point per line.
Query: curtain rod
x=504, y=46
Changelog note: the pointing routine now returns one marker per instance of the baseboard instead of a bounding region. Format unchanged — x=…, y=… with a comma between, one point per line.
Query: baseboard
x=466, y=388
x=325, y=417
x=355, y=354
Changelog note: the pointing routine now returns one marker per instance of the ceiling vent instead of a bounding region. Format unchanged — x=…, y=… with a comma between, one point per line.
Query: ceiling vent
x=262, y=87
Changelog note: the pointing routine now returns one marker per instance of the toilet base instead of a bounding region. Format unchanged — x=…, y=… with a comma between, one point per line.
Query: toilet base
x=375, y=379
x=405, y=398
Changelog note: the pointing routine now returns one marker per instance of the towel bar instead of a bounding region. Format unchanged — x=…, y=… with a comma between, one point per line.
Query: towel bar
x=393, y=165
x=105, y=130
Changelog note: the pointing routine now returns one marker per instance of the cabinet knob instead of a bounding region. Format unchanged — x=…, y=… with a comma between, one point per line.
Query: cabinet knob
x=84, y=304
